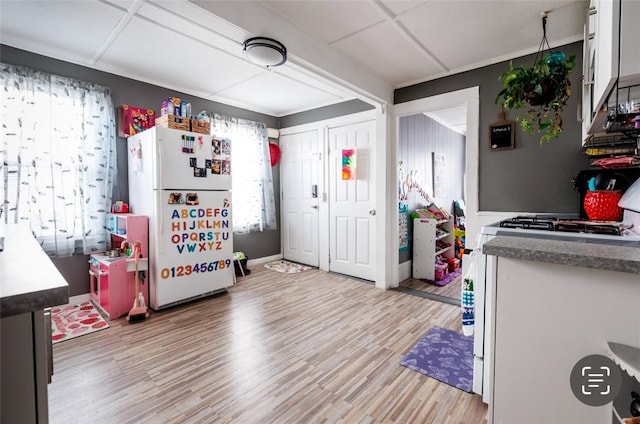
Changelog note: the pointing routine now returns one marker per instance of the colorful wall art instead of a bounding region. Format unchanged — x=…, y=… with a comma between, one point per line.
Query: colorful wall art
x=348, y=164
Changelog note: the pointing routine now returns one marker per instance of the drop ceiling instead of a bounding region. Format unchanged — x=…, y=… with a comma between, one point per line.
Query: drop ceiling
x=338, y=50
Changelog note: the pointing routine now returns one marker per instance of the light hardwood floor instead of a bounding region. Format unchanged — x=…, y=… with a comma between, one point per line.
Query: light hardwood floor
x=277, y=348
x=452, y=290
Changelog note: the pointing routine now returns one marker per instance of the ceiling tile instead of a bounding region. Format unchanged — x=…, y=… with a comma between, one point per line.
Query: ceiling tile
x=161, y=56
x=69, y=30
x=278, y=94
x=471, y=32
x=398, y=7
x=386, y=53
x=328, y=20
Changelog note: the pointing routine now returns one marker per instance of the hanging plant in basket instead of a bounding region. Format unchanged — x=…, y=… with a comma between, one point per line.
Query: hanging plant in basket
x=542, y=90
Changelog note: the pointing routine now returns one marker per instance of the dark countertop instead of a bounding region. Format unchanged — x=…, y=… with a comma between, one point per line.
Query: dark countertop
x=29, y=281
x=589, y=255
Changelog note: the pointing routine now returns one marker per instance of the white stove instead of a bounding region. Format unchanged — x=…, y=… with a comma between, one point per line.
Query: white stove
x=564, y=227
x=572, y=228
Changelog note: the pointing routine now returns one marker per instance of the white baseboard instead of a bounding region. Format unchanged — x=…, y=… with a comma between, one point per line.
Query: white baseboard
x=404, y=270
x=264, y=260
x=73, y=300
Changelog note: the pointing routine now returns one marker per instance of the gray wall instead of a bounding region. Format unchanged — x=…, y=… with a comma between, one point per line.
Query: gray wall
x=419, y=137
x=529, y=178
x=128, y=91
x=327, y=112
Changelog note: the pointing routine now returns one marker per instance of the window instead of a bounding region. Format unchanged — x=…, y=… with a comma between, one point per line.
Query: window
x=252, y=195
x=58, y=158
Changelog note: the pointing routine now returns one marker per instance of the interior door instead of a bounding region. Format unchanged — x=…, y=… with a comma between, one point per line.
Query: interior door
x=352, y=230
x=299, y=165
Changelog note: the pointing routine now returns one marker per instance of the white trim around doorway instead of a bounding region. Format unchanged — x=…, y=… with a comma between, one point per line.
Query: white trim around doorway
x=471, y=98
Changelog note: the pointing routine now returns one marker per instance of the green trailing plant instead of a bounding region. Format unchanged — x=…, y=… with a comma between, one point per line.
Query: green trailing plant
x=541, y=91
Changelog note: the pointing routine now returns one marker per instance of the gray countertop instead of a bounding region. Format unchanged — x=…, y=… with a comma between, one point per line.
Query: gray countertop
x=589, y=255
x=29, y=281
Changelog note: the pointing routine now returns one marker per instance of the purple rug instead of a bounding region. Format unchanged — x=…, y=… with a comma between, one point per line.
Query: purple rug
x=444, y=355
x=446, y=279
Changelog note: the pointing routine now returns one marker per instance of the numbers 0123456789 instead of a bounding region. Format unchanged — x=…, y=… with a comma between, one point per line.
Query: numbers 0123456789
x=186, y=270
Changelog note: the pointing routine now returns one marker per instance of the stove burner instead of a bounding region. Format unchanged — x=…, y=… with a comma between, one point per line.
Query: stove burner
x=530, y=222
x=550, y=223
x=576, y=227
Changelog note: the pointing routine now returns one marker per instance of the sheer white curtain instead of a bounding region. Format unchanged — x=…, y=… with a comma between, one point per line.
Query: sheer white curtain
x=58, y=158
x=253, y=201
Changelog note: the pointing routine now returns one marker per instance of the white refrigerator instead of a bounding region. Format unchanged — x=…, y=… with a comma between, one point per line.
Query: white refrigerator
x=181, y=181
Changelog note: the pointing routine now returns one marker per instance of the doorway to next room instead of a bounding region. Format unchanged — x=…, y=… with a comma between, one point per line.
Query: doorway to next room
x=431, y=181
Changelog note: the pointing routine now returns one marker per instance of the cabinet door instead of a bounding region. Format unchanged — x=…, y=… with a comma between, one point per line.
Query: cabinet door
x=606, y=49
x=103, y=287
x=588, y=55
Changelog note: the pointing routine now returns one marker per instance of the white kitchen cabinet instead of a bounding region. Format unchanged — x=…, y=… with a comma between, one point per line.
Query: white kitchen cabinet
x=611, y=59
x=431, y=238
x=588, y=69
x=547, y=318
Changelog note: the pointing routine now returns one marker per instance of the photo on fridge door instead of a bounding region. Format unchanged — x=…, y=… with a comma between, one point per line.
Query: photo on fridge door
x=185, y=160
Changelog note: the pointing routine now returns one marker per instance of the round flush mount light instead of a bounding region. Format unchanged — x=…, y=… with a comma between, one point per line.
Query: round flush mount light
x=265, y=52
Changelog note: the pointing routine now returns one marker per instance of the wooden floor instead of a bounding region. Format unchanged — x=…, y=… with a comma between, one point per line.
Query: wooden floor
x=452, y=290
x=277, y=348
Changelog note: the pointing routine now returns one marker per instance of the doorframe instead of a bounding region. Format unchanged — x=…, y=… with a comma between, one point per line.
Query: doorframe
x=469, y=97
x=322, y=129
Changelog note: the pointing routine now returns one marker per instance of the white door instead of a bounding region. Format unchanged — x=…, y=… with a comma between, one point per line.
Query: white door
x=300, y=164
x=352, y=230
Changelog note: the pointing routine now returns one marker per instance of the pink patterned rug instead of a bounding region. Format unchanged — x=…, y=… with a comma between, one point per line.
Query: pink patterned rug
x=286, y=267
x=69, y=321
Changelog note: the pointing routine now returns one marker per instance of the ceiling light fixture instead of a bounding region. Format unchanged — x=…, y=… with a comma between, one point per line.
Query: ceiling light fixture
x=265, y=52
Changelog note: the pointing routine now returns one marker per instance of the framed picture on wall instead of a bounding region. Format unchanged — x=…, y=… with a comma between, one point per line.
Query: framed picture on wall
x=439, y=174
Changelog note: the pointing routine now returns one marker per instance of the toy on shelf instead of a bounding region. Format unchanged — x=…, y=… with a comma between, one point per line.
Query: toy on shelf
x=176, y=113
x=132, y=120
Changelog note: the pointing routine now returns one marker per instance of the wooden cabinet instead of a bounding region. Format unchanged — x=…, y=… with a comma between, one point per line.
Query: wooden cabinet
x=29, y=285
x=431, y=238
x=112, y=280
x=25, y=368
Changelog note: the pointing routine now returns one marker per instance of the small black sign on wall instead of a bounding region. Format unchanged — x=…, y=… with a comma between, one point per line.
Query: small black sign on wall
x=502, y=134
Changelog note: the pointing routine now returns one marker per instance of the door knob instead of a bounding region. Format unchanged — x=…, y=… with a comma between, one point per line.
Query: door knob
x=314, y=206
x=372, y=212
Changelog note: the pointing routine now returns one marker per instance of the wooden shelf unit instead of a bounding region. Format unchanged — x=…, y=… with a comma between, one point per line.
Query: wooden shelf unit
x=425, y=249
